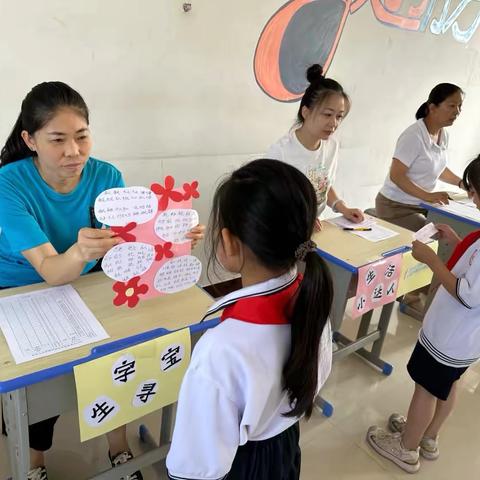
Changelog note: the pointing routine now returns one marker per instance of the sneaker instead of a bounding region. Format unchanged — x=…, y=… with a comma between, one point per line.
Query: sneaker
x=39, y=473
x=389, y=445
x=122, y=458
x=428, y=446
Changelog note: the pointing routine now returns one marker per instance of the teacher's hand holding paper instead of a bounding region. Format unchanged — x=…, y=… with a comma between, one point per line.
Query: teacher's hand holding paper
x=94, y=243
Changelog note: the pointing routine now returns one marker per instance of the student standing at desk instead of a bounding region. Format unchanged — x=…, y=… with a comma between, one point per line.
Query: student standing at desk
x=419, y=160
x=48, y=185
x=252, y=376
x=311, y=147
x=448, y=343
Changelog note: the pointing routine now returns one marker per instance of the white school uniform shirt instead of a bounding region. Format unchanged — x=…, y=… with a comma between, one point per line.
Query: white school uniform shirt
x=451, y=328
x=318, y=165
x=425, y=159
x=232, y=391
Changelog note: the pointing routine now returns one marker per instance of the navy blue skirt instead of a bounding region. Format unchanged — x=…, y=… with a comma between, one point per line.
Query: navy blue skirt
x=276, y=458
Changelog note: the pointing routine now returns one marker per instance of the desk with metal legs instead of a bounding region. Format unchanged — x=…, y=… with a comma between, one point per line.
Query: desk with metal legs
x=43, y=388
x=344, y=253
x=463, y=225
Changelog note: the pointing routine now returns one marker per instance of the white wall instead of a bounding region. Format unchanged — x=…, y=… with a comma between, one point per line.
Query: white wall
x=174, y=93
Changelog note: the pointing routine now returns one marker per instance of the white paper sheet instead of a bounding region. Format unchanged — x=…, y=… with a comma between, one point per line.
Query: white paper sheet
x=120, y=206
x=377, y=234
x=127, y=260
x=47, y=321
x=467, y=210
x=426, y=233
x=173, y=225
x=342, y=222
x=178, y=274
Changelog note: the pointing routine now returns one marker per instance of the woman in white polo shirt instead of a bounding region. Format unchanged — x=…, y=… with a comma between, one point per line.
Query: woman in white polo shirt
x=420, y=159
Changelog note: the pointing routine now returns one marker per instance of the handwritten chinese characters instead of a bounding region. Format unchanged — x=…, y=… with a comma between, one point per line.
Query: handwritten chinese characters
x=128, y=260
x=153, y=224
x=173, y=225
x=178, y=274
x=119, y=206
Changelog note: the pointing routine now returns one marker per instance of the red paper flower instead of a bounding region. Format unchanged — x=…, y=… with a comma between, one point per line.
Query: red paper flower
x=163, y=251
x=190, y=190
x=166, y=193
x=122, y=231
x=128, y=292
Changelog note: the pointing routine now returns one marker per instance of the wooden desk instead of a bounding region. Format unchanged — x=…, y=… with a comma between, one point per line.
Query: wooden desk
x=344, y=253
x=42, y=388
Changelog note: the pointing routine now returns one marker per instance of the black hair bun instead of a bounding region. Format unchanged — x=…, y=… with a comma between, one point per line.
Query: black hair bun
x=315, y=73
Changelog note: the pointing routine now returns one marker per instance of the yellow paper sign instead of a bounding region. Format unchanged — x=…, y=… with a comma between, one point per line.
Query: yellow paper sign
x=123, y=386
x=414, y=273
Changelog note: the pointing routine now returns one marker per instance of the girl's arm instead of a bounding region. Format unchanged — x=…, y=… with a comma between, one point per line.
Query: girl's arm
x=423, y=253
x=465, y=288
x=58, y=269
x=337, y=205
x=398, y=175
x=206, y=435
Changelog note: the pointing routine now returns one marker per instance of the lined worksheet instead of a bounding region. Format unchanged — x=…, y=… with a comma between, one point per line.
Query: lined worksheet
x=465, y=208
x=47, y=321
x=374, y=232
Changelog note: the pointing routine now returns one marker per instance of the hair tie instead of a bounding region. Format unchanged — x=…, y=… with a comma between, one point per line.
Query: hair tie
x=304, y=248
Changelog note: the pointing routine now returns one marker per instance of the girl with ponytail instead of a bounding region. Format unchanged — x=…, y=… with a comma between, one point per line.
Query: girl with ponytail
x=254, y=375
x=310, y=145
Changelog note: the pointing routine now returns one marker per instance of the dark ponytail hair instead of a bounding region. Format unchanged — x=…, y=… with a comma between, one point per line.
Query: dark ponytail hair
x=319, y=90
x=471, y=176
x=38, y=108
x=271, y=208
x=438, y=95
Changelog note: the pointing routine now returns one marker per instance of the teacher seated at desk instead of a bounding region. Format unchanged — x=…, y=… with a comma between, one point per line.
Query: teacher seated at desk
x=420, y=160
x=48, y=186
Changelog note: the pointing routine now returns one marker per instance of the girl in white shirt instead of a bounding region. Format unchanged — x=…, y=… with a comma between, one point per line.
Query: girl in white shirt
x=420, y=159
x=254, y=375
x=448, y=343
x=311, y=148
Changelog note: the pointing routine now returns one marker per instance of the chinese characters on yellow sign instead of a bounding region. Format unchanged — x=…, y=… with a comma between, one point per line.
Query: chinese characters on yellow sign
x=126, y=385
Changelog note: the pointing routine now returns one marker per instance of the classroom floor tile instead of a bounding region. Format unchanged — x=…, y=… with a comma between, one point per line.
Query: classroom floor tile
x=332, y=448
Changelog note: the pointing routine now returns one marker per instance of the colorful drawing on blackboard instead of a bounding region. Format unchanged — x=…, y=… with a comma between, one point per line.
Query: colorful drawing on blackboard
x=303, y=32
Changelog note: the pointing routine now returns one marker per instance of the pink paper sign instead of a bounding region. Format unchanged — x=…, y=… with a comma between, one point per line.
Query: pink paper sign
x=155, y=256
x=377, y=284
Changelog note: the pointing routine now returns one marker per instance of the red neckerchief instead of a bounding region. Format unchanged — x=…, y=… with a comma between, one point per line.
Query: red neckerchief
x=270, y=309
x=462, y=247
